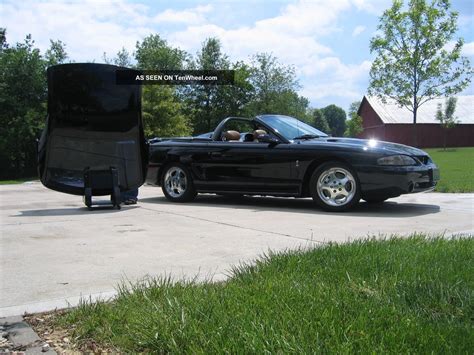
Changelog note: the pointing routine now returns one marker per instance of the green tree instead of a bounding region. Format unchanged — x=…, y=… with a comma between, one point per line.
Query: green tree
x=22, y=106
x=121, y=59
x=163, y=110
x=154, y=53
x=56, y=54
x=319, y=121
x=354, y=123
x=336, y=118
x=275, y=89
x=206, y=101
x=353, y=108
x=3, y=37
x=209, y=104
x=233, y=99
x=446, y=118
x=290, y=103
x=413, y=64
x=274, y=85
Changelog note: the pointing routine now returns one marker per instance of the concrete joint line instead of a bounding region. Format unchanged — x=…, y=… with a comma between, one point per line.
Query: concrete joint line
x=235, y=226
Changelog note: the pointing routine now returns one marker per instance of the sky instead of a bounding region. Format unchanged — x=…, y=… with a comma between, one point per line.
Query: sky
x=327, y=41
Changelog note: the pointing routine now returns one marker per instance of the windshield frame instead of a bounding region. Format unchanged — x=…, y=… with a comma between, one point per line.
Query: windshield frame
x=307, y=129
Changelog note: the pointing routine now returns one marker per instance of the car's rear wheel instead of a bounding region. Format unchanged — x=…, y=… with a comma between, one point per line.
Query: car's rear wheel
x=177, y=183
x=334, y=187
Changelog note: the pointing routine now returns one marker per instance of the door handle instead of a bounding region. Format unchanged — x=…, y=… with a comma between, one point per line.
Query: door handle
x=215, y=154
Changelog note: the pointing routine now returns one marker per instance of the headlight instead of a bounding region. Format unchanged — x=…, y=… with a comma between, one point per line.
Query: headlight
x=396, y=160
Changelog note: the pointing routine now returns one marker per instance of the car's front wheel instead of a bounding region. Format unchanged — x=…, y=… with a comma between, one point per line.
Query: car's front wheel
x=177, y=183
x=334, y=187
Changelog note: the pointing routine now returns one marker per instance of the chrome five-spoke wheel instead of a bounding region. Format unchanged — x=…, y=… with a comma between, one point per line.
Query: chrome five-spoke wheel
x=334, y=186
x=177, y=183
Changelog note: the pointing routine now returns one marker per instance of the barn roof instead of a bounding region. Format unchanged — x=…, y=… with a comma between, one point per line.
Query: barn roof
x=390, y=112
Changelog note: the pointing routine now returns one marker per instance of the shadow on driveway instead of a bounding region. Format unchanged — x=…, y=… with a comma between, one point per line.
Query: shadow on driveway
x=294, y=205
x=72, y=211
x=256, y=204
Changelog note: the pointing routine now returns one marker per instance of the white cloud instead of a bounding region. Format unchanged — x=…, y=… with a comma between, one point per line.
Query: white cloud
x=336, y=79
x=187, y=16
x=468, y=49
x=466, y=20
x=90, y=28
x=374, y=7
x=317, y=17
x=245, y=41
x=294, y=37
x=358, y=30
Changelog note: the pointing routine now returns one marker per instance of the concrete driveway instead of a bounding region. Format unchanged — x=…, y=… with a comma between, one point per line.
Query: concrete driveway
x=53, y=250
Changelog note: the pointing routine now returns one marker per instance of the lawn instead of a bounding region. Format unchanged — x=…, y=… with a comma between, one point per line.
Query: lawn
x=413, y=295
x=457, y=168
x=18, y=181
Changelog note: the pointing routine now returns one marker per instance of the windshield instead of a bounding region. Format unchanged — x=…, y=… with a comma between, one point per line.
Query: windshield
x=290, y=127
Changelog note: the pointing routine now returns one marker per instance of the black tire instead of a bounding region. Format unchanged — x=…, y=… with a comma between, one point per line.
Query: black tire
x=186, y=191
x=351, y=187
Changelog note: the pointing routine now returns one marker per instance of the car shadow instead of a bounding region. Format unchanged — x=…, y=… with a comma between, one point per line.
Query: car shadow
x=71, y=211
x=305, y=205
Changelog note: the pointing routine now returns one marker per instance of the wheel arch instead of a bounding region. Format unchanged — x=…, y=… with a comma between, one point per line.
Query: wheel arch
x=170, y=159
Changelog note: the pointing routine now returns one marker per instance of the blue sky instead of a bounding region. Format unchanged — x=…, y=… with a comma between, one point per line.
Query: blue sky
x=326, y=40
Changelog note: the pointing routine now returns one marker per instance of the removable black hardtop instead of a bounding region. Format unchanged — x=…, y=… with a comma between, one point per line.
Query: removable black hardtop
x=93, y=124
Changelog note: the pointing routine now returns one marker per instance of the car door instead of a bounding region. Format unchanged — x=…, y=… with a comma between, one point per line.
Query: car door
x=250, y=167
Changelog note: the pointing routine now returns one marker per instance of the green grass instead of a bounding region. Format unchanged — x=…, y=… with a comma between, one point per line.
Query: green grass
x=457, y=169
x=18, y=181
x=412, y=295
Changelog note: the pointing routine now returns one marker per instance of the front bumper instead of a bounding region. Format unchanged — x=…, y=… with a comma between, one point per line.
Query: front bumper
x=391, y=181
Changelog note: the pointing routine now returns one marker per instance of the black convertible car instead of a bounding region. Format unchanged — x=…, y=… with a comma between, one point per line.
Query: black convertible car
x=281, y=156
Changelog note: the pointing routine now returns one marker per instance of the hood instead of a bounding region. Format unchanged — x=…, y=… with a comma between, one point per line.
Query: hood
x=367, y=144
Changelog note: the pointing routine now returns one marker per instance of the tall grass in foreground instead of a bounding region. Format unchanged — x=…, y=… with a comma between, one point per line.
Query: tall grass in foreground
x=412, y=295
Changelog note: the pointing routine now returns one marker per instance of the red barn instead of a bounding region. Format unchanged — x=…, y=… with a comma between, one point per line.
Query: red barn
x=390, y=122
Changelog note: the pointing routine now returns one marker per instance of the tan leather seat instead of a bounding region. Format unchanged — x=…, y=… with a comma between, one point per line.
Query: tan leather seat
x=258, y=132
x=231, y=136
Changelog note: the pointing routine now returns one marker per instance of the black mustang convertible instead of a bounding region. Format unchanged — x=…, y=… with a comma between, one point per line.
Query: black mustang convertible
x=281, y=156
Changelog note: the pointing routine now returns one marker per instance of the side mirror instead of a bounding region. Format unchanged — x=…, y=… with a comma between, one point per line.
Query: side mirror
x=266, y=138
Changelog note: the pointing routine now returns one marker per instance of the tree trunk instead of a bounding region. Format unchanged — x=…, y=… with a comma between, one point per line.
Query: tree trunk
x=415, y=137
x=415, y=104
x=444, y=129
x=208, y=115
